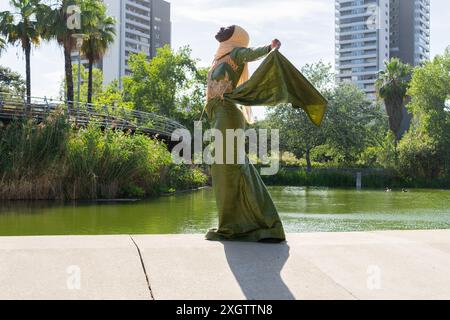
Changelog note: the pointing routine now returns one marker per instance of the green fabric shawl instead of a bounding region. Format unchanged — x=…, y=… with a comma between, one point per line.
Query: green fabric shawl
x=277, y=81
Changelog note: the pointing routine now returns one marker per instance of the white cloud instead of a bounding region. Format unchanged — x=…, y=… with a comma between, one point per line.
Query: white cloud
x=249, y=12
x=305, y=27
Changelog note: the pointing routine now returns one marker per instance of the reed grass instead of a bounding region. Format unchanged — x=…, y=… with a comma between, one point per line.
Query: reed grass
x=51, y=160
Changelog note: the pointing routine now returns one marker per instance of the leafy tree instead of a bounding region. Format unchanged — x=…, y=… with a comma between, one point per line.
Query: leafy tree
x=11, y=82
x=192, y=100
x=392, y=85
x=430, y=132
x=297, y=134
x=320, y=75
x=21, y=27
x=97, y=82
x=160, y=85
x=100, y=32
x=111, y=95
x=350, y=122
x=419, y=156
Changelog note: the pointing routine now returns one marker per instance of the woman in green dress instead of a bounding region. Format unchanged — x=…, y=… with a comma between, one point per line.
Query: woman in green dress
x=245, y=208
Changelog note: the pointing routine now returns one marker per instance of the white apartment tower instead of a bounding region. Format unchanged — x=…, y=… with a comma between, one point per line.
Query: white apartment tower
x=368, y=32
x=362, y=41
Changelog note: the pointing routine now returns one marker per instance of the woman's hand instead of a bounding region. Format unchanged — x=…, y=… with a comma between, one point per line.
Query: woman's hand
x=276, y=44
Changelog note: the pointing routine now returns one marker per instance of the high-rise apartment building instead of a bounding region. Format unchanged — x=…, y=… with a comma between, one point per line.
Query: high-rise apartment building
x=362, y=41
x=368, y=32
x=410, y=30
x=142, y=26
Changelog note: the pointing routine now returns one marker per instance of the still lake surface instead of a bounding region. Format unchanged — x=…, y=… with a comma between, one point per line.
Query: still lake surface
x=301, y=210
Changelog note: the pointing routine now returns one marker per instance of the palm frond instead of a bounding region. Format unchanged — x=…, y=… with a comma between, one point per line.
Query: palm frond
x=99, y=29
x=391, y=86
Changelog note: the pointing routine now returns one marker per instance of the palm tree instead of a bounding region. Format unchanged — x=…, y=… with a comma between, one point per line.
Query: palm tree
x=54, y=27
x=392, y=85
x=22, y=27
x=100, y=33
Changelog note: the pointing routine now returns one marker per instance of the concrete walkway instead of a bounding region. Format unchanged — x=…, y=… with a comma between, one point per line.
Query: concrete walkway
x=357, y=265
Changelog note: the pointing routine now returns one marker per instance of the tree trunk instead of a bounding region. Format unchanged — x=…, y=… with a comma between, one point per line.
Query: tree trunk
x=396, y=151
x=394, y=109
x=89, y=97
x=68, y=71
x=28, y=73
x=308, y=158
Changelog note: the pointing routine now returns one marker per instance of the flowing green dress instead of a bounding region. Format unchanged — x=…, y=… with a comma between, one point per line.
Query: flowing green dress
x=246, y=210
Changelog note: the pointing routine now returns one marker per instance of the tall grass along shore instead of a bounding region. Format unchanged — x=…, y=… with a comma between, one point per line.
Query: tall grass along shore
x=52, y=160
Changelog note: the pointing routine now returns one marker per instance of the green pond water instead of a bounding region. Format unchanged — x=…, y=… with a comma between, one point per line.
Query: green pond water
x=301, y=210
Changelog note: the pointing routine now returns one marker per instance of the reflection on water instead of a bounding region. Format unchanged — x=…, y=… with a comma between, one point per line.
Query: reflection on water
x=323, y=209
x=301, y=210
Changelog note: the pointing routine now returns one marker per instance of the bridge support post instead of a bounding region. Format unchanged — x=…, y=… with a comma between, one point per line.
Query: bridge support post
x=358, y=180
x=47, y=111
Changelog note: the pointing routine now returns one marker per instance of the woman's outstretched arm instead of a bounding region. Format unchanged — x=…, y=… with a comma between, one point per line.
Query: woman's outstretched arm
x=244, y=55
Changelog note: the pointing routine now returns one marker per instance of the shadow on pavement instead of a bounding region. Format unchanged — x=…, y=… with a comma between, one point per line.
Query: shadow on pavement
x=257, y=269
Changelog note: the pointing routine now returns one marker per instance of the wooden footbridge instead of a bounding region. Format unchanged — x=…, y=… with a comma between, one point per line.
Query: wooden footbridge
x=16, y=107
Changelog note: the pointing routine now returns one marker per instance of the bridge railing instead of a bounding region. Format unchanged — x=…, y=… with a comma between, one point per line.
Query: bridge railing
x=16, y=106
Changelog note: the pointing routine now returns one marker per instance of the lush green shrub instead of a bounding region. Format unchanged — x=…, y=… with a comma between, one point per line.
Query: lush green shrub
x=341, y=178
x=289, y=159
x=28, y=147
x=326, y=156
x=301, y=177
x=370, y=157
x=50, y=160
x=418, y=157
x=105, y=163
x=182, y=176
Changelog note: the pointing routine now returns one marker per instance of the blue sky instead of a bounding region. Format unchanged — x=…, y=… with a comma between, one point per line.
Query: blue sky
x=305, y=28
